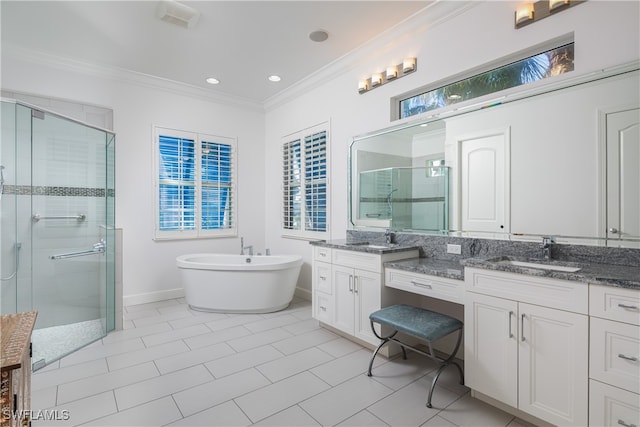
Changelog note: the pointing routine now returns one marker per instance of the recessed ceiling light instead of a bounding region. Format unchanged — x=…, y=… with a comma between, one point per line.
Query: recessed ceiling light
x=319, y=35
x=212, y=81
x=274, y=78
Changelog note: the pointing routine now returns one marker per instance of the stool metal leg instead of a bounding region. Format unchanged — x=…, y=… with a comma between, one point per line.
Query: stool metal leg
x=445, y=363
x=384, y=341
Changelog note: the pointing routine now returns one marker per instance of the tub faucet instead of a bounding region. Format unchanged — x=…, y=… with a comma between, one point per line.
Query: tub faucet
x=546, y=246
x=250, y=248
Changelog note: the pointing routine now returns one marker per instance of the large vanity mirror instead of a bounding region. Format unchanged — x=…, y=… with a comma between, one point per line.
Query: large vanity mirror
x=558, y=161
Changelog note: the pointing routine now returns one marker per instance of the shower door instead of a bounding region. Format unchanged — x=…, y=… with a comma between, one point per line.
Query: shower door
x=71, y=221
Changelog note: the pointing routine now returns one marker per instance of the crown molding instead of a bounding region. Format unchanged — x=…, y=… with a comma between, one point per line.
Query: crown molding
x=125, y=76
x=436, y=13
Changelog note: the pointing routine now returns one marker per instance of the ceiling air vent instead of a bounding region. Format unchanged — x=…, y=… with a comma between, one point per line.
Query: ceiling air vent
x=177, y=13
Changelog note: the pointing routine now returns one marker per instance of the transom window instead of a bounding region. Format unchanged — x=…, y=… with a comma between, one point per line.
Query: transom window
x=195, y=185
x=533, y=68
x=304, y=179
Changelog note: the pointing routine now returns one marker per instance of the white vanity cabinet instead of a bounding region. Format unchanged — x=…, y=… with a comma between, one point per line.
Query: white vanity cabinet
x=614, y=356
x=526, y=341
x=347, y=287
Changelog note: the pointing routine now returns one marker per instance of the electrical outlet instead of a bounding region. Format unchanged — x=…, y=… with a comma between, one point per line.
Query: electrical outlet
x=454, y=249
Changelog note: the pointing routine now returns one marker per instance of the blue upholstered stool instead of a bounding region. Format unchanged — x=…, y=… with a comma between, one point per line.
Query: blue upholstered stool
x=420, y=323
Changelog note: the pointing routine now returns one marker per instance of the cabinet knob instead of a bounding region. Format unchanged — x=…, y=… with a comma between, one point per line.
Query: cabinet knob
x=613, y=230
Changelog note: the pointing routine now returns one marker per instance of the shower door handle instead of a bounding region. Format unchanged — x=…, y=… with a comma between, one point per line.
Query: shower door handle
x=98, y=248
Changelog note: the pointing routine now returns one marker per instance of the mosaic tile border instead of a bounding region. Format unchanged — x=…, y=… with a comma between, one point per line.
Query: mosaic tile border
x=28, y=190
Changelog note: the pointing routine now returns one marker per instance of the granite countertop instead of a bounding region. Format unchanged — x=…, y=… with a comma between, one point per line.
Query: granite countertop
x=601, y=274
x=451, y=269
x=588, y=272
x=370, y=246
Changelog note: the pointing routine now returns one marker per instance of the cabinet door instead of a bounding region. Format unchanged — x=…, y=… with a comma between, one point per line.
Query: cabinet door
x=342, y=280
x=491, y=346
x=553, y=367
x=367, y=300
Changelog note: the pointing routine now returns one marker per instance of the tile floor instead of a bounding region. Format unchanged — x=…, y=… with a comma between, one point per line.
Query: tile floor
x=173, y=366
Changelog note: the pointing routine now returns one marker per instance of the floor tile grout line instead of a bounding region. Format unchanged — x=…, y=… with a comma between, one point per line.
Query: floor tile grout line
x=375, y=416
x=177, y=406
x=103, y=391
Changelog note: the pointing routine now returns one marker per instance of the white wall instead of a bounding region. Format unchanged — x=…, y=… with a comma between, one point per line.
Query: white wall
x=149, y=270
x=469, y=38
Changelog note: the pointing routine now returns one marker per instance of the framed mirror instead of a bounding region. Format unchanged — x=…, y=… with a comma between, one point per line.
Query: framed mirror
x=559, y=160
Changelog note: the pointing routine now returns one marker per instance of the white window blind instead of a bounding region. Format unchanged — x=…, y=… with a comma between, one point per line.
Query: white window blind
x=195, y=189
x=305, y=183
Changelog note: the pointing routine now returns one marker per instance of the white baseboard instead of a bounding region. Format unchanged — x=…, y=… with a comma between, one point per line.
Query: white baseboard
x=152, y=297
x=304, y=294
x=179, y=293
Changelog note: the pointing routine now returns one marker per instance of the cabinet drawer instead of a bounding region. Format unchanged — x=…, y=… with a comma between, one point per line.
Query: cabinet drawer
x=321, y=254
x=615, y=353
x=361, y=260
x=423, y=284
x=323, y=307
x=610, y=406
x=553, y=293
x=613, y=303
x=322, y=277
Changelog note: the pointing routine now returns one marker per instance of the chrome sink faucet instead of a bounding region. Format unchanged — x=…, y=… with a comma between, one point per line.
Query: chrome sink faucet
x=389, y=236
x=546, y=246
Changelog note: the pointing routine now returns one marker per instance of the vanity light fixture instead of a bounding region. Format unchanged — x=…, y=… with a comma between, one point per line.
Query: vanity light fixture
x=392, y=72
x=531, y=12
x=524, y=13
x=376, y=79
x=408, y=65
x=557, y=4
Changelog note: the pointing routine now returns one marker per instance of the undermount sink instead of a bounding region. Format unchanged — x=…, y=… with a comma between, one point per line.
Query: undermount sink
x=381, y=246
x=550, y=265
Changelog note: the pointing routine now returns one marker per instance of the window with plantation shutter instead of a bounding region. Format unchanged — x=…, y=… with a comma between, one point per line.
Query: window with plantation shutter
x=305, y=183
x=195, y=185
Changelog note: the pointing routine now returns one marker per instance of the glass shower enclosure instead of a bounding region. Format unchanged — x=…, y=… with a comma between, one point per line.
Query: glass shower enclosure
x=405, y=198
x=57, y=228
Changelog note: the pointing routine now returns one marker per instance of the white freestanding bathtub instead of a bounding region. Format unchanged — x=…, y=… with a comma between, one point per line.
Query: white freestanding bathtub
x=238, y=283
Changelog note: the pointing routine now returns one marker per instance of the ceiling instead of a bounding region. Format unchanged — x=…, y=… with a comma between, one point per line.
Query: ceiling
x=240, y=43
